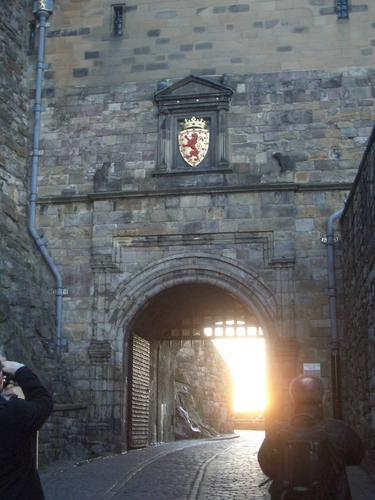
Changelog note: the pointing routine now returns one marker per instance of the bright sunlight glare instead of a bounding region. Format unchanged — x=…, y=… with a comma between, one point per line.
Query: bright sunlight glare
x=246, y=361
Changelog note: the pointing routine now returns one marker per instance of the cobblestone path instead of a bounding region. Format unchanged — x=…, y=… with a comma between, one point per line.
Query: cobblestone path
x=223, y=469
x=220, y=469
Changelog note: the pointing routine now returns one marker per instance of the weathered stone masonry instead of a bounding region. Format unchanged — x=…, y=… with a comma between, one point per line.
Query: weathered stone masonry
x=27, y=310
x=135, y=227
x=160, y=40
x=358, y=267
x=123, y=235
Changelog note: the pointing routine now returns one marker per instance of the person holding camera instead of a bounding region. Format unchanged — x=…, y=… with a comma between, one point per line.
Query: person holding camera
x=19, y=421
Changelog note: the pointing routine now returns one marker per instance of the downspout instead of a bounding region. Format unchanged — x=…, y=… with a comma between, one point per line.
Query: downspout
x=332, y=294
x=42, y=10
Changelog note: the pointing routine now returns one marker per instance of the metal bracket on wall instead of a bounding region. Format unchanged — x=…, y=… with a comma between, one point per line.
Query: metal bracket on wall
x=38, y=107
x=335, y=239
x=41, y=65
x=65, y=291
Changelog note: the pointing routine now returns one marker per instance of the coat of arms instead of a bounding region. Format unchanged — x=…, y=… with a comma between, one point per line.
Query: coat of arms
x=193, y=140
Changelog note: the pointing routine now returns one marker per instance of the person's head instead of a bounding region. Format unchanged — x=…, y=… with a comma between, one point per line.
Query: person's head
x=307, y=390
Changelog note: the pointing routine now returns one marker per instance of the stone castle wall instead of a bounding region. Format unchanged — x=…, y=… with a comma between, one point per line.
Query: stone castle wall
x=27, y=300
x=110, y=218
x=163, y=39
x=358, y=229
x=105, y=138
x=14, y=110
x=321, y=121
x=27, y=322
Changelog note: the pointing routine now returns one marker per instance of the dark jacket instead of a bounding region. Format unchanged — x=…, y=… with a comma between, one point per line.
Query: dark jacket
x=19, y=420
x=347, y=449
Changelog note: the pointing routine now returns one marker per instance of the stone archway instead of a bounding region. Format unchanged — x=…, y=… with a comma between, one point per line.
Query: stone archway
x=134, y=296
x=134, y=293
x=181, y=313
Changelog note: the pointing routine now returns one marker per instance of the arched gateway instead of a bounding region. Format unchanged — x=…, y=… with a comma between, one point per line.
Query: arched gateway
x=158, y=299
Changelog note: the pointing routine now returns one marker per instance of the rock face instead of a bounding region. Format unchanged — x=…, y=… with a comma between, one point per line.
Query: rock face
x=203, y=392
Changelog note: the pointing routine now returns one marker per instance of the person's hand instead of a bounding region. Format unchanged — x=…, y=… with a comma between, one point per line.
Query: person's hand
x=9, y=391
x=2, y=358
x=10, y=366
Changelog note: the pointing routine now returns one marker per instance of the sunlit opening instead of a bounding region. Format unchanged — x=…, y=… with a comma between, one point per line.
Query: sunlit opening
x=246, y=361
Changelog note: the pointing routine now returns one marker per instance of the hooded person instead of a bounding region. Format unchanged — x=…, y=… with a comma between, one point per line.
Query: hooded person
x=20, y=419
x=344, y=445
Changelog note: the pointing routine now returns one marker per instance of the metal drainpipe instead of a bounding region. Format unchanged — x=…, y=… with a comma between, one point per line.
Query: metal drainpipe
x=42, y=10
x=335, y=344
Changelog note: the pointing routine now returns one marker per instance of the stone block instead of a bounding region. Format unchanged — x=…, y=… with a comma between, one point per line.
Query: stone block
x=305, y=225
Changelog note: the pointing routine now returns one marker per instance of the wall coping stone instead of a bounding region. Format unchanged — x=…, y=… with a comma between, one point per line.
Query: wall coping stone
x=108, y=195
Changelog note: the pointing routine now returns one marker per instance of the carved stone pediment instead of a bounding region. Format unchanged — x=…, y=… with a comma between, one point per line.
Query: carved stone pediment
x=188, y=101
x=193, y=87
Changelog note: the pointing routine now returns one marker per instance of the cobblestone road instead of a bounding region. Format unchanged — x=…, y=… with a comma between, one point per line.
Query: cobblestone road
x=193, y=470
x=223, y=469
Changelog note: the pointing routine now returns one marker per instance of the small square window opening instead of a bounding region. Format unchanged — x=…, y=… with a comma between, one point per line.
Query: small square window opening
x=118, y=14
x=342, y=9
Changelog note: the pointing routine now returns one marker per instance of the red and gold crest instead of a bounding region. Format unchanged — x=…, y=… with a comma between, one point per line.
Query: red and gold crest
x=193, y=140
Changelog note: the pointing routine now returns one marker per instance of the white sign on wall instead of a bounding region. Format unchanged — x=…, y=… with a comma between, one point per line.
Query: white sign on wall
x=311, y=369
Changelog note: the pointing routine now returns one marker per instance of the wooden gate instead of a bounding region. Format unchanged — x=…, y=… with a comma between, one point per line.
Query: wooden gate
x=139, y=393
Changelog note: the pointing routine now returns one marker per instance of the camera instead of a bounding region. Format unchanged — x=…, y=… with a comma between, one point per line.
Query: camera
x=6, y=379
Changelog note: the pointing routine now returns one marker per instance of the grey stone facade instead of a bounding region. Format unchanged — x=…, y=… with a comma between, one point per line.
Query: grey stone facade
x=130, y=238
x=358, y=267
x=131, y=232
x=27, y=300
